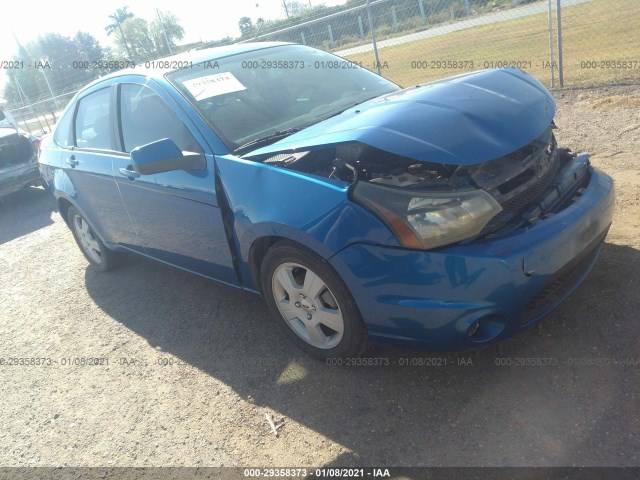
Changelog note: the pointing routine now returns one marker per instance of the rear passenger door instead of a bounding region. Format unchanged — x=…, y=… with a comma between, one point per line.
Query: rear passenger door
x=87, y=157
x=176, y=214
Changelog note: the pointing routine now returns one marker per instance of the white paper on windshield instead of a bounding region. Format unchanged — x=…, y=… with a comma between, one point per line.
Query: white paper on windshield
x=213, y=85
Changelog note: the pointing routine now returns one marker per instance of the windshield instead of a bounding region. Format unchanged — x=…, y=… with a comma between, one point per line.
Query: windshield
x=249, y=96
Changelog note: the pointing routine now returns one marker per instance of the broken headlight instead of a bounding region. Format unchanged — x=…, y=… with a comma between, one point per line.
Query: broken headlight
x=428, y=219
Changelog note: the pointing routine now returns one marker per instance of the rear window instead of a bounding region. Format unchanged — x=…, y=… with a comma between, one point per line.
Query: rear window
x=93, y=122
x=15, y=149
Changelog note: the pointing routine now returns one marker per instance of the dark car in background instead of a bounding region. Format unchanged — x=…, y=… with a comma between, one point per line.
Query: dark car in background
x=18, y=152
x=442, y=216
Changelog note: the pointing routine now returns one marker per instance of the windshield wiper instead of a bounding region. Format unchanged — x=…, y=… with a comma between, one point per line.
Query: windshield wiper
x=258, y=142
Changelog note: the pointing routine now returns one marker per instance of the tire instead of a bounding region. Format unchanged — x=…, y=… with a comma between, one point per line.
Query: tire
x=90, y=245
x=311, y=302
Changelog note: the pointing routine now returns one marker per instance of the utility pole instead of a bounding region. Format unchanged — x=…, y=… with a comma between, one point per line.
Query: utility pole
x=553, y=79
x=559, y=21
x=284, y=2
x=164, y=30
x=372, y=30
x=49, y=85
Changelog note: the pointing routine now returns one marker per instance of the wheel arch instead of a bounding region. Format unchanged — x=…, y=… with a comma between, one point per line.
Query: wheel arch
x=257, y=251
x=64, y=203
x=261, y=245
x=63, y=207
x=353, y=335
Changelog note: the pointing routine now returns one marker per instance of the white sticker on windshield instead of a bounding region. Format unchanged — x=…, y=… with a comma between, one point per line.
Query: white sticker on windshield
x=213, y=85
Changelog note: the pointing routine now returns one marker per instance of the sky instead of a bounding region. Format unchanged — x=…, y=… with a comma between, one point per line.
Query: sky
x=201, y=20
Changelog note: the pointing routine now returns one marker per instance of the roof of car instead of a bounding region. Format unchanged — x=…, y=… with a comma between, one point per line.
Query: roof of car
x=162, y=66
x=198, y=56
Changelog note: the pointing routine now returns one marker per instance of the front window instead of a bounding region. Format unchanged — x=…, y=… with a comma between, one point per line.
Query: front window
x=248, y=96
x=147, y=118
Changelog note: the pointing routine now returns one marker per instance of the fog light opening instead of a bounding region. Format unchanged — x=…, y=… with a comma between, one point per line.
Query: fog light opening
x=486, y=328
x=473, y=328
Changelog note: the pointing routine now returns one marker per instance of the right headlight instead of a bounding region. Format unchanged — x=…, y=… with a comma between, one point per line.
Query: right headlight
x=428, y=219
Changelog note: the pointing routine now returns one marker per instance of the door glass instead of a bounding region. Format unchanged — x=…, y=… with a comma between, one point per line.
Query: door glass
x=93, y=125
x=147, y=118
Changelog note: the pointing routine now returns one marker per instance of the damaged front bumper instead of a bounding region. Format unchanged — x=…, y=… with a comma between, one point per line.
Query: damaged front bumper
x=464, y=296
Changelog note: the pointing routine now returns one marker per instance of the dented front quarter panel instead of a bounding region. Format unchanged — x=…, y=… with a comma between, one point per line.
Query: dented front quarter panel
x=463, y=120
x=260, y=197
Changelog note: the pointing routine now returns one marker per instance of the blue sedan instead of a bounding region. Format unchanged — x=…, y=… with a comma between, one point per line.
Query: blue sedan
x=442, y=216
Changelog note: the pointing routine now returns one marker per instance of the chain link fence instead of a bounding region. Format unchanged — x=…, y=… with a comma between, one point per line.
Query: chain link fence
x=39, y=117
x=601, y=42
x=561, y=42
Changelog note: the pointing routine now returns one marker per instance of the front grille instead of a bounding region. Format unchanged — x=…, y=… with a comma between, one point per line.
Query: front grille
x=520, y=180
x=563, y=281
x=519, y=203
x=533, y=193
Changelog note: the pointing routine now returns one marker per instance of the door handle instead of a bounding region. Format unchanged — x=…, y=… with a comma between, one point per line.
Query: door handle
x=132, y=175
x=72, y=161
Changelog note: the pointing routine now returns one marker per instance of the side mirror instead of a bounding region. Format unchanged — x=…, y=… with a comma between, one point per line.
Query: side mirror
x=164, y=156
x=2, y=116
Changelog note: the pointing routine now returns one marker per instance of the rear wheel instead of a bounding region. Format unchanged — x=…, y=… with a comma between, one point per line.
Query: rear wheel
x=312, y=302
x=90, y=245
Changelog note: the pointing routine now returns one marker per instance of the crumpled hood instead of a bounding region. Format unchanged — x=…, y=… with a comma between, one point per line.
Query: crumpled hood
x=463, y=120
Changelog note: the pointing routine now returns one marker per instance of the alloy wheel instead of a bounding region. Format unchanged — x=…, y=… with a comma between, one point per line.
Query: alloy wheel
x=88, y=241
x=307, y=305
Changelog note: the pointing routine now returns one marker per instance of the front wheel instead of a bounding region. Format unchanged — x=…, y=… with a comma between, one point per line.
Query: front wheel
x=312, y=302
x=90, y=245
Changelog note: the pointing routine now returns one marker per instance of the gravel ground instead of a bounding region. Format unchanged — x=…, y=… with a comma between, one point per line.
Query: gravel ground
x=193, y=367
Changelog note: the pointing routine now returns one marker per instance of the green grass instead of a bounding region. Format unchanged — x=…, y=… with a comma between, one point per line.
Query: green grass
x=600, y=31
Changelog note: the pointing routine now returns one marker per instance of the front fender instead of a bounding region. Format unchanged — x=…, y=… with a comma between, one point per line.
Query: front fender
x=267, y=201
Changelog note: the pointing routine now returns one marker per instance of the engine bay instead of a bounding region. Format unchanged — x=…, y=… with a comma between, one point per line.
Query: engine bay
x=353, y=162
x=519, y=181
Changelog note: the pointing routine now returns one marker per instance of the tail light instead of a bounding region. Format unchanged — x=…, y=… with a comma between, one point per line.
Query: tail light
x=36, y=148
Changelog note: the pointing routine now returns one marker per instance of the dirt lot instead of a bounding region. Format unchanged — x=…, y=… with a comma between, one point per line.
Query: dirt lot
x=193, y=367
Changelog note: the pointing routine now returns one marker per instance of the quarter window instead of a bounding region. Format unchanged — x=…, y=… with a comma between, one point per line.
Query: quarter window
x=93, y=123
x=62, y=134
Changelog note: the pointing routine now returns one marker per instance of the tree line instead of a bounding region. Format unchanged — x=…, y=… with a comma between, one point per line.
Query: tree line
x=54, y=64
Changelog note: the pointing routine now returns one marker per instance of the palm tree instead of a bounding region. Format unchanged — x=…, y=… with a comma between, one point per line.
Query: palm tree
x=119, y=17
x=165, y=29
